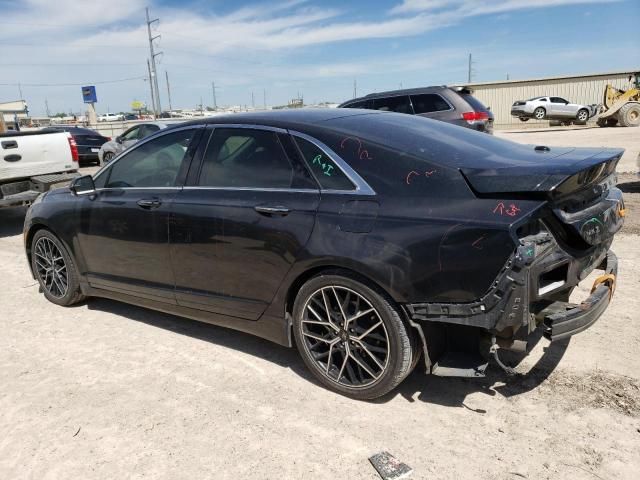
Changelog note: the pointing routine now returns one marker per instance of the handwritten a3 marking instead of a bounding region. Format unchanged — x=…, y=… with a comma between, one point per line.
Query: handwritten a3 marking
x=326, y=167
x=512, y=210
x=363, y=154
x=413, y=173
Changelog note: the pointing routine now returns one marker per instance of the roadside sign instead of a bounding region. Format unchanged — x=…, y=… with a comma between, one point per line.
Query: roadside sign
x=137, y=105
x=89, y=94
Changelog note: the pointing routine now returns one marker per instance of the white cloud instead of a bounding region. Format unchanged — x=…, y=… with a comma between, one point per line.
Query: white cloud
x=468, y=8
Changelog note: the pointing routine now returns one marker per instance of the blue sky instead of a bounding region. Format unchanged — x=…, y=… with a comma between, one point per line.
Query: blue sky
x=286, y=47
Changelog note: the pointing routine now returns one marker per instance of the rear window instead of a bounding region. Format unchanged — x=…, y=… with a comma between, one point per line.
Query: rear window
x=476, y=104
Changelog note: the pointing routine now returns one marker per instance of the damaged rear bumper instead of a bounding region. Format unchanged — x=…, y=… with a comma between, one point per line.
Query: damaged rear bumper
x=576, y=318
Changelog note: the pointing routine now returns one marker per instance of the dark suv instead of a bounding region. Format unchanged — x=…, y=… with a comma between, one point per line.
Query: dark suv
x=454, y=105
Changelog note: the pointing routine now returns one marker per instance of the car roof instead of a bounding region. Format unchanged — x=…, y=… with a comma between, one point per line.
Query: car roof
x=286, y=118
x=404, y=91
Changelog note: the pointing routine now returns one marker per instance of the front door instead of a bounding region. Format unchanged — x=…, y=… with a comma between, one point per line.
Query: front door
x=237, y=230
x=124, y=227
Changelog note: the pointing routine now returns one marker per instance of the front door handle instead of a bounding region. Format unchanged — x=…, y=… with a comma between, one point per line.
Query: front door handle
x=276, y=210
x=12, y=158
x=149, y=203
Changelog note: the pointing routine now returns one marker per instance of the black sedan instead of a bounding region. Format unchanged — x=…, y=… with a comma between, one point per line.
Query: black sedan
x=88, y=141
x=368, y=239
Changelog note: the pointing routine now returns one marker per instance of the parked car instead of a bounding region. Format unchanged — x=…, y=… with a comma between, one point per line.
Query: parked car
x=552, y=108
x=367, y=238
x=88, y=141
x=129, y=137
x=111, y=117
x=131, y=116
x=454, y=105
x=34, y=162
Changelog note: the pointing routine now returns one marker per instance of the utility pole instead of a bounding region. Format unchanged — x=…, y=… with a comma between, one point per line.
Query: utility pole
x=264, y=97
x=253, y=102
x=213, y=90
x=154, y=72
x=153, y=99
x=166, y=74
x=355, y=88
x=46, y=107
x=20, y=90
x=470, y=69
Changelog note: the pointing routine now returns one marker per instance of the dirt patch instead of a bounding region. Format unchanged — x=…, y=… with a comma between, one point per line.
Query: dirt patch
x=596, y=389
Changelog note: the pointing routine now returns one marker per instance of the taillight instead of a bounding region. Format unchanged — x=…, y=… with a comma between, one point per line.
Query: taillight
x=472, y=117
x=74, y=148
x=108, y=139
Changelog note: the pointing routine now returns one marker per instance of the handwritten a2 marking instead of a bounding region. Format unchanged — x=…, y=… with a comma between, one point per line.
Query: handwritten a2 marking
x=326, y=167
x=363, y=154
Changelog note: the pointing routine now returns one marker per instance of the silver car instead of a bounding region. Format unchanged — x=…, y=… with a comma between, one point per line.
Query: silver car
x=129, y=137
x=551, y=108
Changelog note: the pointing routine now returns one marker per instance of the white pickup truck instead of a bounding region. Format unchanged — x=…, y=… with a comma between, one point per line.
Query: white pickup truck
x=34, y=162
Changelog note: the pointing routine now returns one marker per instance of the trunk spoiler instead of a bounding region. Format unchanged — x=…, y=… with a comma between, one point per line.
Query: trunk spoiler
x=578, y=167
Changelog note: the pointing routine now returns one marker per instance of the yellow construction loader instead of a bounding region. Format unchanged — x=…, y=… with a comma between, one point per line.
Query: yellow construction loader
x=621, y=107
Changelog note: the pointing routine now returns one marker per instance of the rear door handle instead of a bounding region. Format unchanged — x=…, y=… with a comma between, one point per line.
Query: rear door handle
x=149, y=203
x=9, y=144
x=276, y=210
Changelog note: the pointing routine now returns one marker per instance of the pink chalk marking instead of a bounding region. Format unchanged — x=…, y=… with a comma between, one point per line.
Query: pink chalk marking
x=412, y=172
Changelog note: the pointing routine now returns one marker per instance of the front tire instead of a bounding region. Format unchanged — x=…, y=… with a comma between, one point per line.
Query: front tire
x=54, y=269
x=582, y=116
x=524, y=119
x=540, y=113
x=107, y=157
x=351, y=337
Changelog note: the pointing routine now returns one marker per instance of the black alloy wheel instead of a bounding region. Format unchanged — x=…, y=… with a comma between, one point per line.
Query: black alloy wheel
x=351, y=337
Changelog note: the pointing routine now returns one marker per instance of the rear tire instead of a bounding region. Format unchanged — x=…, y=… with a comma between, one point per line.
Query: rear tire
x=629, y=115
x=351, y=337
x=55, y=269
x=540, y=113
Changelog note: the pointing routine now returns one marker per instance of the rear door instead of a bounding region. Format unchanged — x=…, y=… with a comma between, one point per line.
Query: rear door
x=242, y=221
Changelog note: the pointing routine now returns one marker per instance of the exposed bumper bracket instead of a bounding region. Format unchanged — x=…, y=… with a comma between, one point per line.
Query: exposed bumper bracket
x=560, y=325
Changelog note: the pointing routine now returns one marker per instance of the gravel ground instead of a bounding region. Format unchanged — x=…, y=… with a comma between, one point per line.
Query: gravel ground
x=105, y=390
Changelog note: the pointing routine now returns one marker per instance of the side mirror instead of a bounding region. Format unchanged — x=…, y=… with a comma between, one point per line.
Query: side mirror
x=119, y=140
x=83, y=185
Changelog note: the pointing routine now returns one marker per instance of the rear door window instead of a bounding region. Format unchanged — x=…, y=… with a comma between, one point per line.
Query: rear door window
x=246, y=158
x=399, y=104
x=429, y=102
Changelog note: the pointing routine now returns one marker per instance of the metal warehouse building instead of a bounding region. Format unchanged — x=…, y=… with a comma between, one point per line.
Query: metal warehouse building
x=584, y=89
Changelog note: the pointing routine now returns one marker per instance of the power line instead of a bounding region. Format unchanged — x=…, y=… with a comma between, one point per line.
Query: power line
x=15, y=84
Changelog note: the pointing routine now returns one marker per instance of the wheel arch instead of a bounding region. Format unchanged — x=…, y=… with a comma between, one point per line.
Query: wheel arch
x=35, y=228
x=332, y=269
